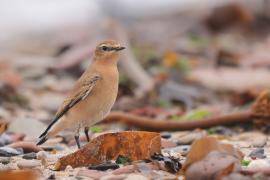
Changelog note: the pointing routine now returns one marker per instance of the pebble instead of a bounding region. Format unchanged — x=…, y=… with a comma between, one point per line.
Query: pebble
x=5, y=139
x=41, y=155
x=254, y=139
x=31, y=155
x=166, y=135
x=187, y=138
x=8, y=151
x=26, y=146
x=28, y=164
x=4, y=160
x=104, y=166
x=257, y=153
x=258, y=163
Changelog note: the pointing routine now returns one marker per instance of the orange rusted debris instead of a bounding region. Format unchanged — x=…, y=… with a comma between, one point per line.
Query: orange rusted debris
x=18, y=174
x=135, y=145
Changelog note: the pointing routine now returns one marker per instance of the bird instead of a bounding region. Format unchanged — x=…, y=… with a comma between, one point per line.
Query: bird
x=92, y=96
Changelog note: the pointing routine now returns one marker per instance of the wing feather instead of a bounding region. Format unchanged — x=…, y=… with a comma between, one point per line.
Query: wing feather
x=81, y=90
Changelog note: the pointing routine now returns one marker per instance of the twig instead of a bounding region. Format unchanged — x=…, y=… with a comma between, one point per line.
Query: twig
x=259, y=111
x=169, y=125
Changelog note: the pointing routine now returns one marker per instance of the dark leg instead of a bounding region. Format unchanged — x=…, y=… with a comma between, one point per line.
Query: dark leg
x=86, y=129
x=77, y=141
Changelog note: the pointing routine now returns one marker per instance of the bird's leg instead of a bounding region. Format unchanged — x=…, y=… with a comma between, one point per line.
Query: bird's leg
x=77, y=141
x=77, y=137
x=86, y=129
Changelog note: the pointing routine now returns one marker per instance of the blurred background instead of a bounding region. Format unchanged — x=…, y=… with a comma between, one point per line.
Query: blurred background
x=184, y=58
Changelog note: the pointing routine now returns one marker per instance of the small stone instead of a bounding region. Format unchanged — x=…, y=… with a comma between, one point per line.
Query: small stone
x=188, y=137
x=257, y=153
x=258, y=163
x=8, y=151
x=31, y=155
x=26, y=146
x=41, y=155
x=254, y=139
x=5, y=139
x=165, y=135
x=28, y=164
x=4, y=160
x=104, y=166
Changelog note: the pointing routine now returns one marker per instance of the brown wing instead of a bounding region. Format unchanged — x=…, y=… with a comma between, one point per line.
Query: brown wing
x=81, y=90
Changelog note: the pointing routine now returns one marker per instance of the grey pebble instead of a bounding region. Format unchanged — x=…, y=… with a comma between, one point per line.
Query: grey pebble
x=257, y=153
x=5, y=139
x=166, y=135
x=31, y=155
x=8, y=152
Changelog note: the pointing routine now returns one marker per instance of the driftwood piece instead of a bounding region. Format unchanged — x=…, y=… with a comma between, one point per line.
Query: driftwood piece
x=259, y=112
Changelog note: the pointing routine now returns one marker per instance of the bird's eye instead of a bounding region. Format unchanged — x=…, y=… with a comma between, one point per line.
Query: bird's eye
x=104, y=48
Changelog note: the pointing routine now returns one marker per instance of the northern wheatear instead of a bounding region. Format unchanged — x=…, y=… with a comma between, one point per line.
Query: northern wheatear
x=92, y=97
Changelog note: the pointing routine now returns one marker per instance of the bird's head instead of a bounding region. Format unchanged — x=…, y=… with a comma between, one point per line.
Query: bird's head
x=108, y=51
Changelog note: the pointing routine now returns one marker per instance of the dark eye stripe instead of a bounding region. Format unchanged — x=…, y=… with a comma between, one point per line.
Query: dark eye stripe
x=106, y=48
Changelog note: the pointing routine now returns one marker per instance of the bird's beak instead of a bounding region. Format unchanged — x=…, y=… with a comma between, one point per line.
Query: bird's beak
x=119, y=48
